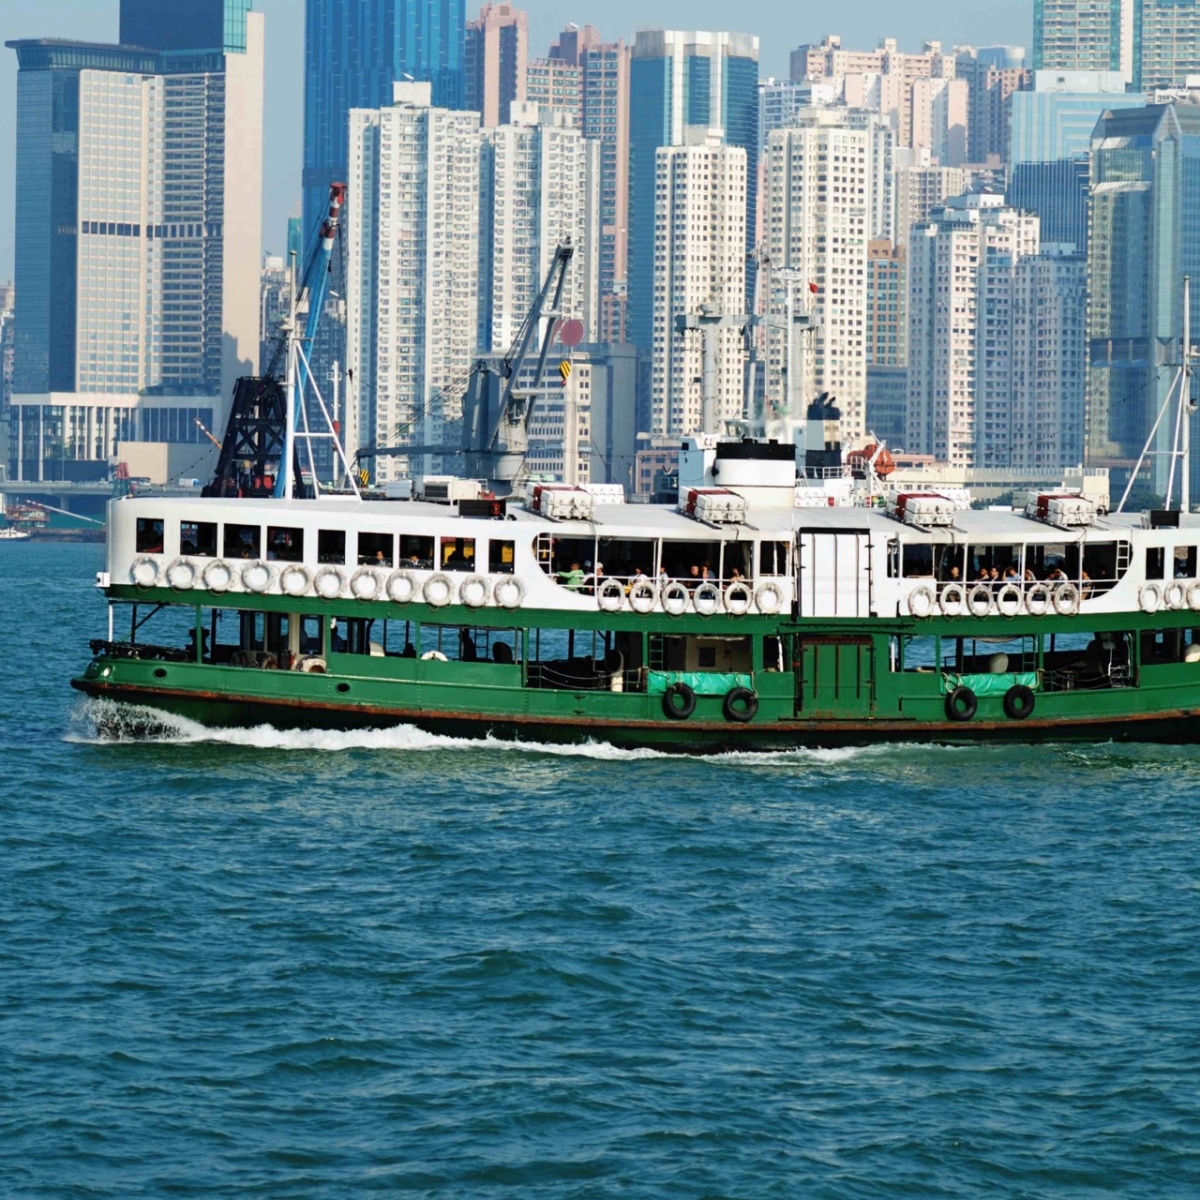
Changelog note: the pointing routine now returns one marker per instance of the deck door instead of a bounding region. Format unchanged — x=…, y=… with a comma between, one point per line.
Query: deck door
x=834, y=573
x=834, y=677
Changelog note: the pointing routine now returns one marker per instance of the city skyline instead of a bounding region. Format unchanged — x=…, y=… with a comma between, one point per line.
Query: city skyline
x=862, y=22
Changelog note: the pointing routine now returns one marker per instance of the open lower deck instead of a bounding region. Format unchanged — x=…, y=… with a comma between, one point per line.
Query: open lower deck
x=688, y=684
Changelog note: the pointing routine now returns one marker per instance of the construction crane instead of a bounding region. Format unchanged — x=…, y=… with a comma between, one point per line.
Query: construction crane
x=204, y=429
x=259, y=454
x=498, y=407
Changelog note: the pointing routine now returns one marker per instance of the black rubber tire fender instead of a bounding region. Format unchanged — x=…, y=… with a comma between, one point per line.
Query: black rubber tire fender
x=961, y=704
x=741, y=704
x=1019, y=702
x=687, y=705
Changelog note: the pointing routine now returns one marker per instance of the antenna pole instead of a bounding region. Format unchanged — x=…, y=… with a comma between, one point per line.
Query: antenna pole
x=1185, y=402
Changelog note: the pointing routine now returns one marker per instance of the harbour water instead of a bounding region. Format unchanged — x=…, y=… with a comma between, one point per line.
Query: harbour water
x=308, y=965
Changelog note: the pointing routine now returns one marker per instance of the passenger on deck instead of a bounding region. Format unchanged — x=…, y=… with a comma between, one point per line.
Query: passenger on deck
x=1011, y=574
x=694, y=578
x=466, y=647
x=735, y=576
x=638, y=576
x=572, y=579
x=409, y=651
x=1056, y=575
x=502, y=652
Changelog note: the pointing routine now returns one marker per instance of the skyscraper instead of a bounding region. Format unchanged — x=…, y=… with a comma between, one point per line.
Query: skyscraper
x=140, y=173
x=678, y=80
x=1168, y=40
x=156, y=25
x=1084, y=35
x=1144, y=239
x=700, y=258
x=495, y=57
x=413, y=253
x=353, y=52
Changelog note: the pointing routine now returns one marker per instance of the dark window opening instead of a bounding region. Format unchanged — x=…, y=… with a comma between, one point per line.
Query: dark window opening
x=1155, y=562
x=416, y=553
x=376, y=550
x=242, y=541
x=149, y=536
x=691, y=562
x=1185, y=562
x=285, y=545
x=198, y=538
x=501, y=557
x=458, y=554
x=331, y=547
x=773, y=558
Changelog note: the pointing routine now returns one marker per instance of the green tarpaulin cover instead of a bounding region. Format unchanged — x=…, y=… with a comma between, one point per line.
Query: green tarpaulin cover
x=703, y=683
x=990, y=685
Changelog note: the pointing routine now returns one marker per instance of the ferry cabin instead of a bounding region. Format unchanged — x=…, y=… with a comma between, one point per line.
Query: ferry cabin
x=717, y=627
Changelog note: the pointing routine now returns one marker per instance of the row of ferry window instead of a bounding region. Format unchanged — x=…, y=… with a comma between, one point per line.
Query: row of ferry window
x=661, y=558
x=204, y=539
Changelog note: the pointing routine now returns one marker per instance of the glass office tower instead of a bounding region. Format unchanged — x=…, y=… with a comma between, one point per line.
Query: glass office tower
x=679, y=79
x=197, y=24
x=354, y=51
x=1144, y=239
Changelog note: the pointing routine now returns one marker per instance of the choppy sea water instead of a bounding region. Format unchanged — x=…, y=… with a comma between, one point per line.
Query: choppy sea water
x=310, y=965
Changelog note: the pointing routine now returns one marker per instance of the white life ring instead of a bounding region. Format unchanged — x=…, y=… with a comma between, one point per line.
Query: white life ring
x=438, y=590
x=1149, y=598
x=1193, y=596
x=609, y=595
x=312, y=664
x=920, y=602
x=1066, y=599
x=1174, y=596
x=738, y=598
x=1008, y=600
x=218, y=575
x=953, y=601
x=642, y=595
x=145, y=571
x=675, y=597
x=295, y=580
x=181, y=574
x=257, y=577
x=474, y=591
x=706, y=599
x=979, y=600
x=401, y=587
x=365, y=584
x=434, y=656
x=329, y=583
x=509, y=592
x=1038, y=600
x=769, y=598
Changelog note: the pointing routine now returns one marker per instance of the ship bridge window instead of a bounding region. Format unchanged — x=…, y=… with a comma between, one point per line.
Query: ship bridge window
x=773, y=558
x=916, y=560
x=198, y=538
x=331, y=546
x=690, y=561
x=1155, y=562
x=149, y=536
x=285, y=545
x=1185, y=562
x=458, y=554
x=376, y=550
x=416, y=552
x=501, y=557
x=242, y=541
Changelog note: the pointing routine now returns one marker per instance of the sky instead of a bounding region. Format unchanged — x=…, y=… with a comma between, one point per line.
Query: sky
x=861, y=23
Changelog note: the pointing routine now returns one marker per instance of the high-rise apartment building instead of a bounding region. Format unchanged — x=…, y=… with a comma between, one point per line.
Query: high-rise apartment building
x=1050, y=146
x=886, y=309
x=1145, y=173
x=819, y=187
x=995, y=340
x=992, y=75
x=412, y=243
x=495, y=58
x=539, y=187
x=700, y=257
x=353, y=51
x=920, y=187
x=1168, y=43
x=140, y=176
x=1084, y=35
x=552, y=83
x=679, y=80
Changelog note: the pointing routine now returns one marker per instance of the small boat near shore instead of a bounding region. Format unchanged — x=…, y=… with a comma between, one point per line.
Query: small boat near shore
x=11, y=534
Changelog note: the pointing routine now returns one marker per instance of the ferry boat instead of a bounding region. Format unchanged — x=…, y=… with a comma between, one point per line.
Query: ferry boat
x=742, y=618
x=10, y=533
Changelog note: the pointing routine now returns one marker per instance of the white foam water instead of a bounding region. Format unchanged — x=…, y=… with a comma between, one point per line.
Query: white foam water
x=101, y=722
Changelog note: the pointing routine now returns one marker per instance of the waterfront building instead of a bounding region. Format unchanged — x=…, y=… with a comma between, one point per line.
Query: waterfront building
x=995, y=340
x=539, y=182
x=678, y=80
x=700, y=260
x=140, y=172
x=495, y=58
x=1050, y=146
x=819, y=189
x=412, y=244
x=1145, y=191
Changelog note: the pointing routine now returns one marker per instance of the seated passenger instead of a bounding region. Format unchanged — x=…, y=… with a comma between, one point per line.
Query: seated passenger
x=572, y=579
x=466, y=647
x=1011, y=575
x=502, y=652
x=409, y=651
x=1056, y=575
